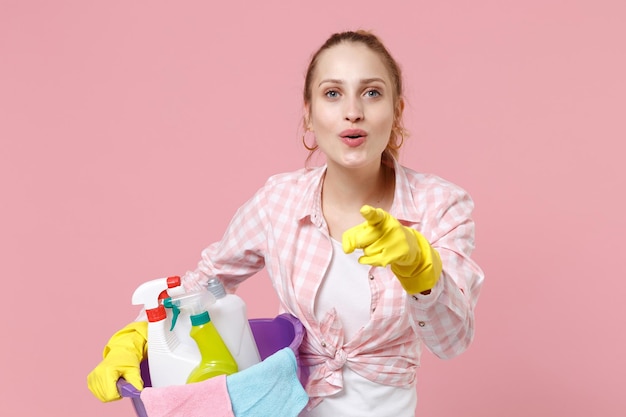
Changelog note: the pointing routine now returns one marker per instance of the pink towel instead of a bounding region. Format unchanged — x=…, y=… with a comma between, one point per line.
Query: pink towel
x=200, y=399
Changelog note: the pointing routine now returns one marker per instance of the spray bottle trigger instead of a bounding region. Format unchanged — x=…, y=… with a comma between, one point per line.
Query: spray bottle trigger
x=175, y=311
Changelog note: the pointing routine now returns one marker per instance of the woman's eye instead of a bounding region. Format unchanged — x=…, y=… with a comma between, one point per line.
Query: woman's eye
x=332, y=94
x=372, y=93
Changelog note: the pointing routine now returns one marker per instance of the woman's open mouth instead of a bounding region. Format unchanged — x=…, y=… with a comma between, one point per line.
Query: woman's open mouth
x=353, y=137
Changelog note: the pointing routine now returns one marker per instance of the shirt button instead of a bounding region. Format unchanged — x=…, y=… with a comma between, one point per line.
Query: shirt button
x=323, y=344
x=421, y=323
x=371, y=276
x=373, y=309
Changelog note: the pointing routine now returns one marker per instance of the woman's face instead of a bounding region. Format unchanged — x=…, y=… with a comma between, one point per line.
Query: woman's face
x=352, y=106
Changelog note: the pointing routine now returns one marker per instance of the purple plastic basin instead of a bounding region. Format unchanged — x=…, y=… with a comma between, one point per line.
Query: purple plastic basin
x=270, y=335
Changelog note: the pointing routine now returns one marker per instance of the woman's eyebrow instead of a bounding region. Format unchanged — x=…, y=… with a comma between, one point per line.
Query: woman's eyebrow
x=373, y=80
x=363, y=81
x=330, y=81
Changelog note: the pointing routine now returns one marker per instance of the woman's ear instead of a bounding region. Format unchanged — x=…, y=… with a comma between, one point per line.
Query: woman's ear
x=399, y=108
x=306, y=120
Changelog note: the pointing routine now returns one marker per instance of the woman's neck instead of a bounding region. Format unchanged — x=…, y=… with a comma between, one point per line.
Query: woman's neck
x=350, y=189
x=345, y=191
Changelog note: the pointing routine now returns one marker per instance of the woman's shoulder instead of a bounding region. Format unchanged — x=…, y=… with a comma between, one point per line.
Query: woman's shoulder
x=424, y=186
x=289, y=190
x=417, y=179
x=302, y=177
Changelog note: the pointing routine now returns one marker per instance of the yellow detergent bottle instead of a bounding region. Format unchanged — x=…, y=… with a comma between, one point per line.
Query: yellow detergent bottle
x=216, y=359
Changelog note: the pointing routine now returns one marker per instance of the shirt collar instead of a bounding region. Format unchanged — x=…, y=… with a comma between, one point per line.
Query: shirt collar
x=403, y=207
x=310, y=204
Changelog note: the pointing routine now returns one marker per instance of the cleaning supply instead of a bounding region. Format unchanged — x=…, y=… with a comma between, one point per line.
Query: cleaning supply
x=121, y=358
x=170, y=362
x=385, y=241
x=206, y=398
x=216, y=359
x=271, y=335
x=270, y=388
x=229, y=314
x=183, y=324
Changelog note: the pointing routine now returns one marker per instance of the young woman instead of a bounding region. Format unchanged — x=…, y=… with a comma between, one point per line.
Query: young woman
x=372, y=257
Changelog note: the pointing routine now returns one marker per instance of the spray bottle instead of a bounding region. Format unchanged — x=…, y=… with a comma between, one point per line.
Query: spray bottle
x=216, y=359
x=229, y=314
x=170, y=362
x=183, y=324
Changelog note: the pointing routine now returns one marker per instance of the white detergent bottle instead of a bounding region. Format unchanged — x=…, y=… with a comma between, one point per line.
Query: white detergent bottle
x=229, y=315
x=170, y=362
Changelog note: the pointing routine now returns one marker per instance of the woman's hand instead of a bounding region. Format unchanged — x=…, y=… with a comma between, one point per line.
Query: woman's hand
x=387, y=242
x=122, y=356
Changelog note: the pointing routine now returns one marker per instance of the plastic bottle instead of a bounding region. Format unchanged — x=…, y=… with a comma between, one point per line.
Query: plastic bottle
x=216, y=359
x=229, y=314
x=170, y=362
x=183, y=325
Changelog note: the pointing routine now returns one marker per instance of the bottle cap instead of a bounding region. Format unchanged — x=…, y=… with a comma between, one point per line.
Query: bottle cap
x=156, y=314
x=217, y=289
x=173, y=281
x=202, y=318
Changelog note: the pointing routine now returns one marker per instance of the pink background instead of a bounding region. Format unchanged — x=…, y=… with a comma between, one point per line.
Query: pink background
x=132, y=130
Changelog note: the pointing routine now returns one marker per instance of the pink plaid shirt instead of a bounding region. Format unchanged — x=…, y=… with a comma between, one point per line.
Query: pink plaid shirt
x=282, y=228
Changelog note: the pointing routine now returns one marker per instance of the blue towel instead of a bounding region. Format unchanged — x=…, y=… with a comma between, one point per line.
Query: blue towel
x=269, y=388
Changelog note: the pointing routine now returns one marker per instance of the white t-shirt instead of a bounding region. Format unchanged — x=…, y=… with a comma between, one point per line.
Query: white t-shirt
x=346, y=288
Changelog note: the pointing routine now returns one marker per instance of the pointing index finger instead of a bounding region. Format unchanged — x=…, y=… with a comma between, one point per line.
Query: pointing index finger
x=372, y=215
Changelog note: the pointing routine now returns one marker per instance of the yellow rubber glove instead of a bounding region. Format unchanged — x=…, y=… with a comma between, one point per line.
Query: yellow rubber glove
x=387, y=242
x=122, y=356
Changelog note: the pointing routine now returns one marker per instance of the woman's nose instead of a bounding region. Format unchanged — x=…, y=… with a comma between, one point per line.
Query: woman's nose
x=354, y=110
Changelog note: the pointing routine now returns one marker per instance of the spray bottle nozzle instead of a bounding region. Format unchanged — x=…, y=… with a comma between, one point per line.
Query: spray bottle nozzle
x=195, y=303
x=167, y=303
